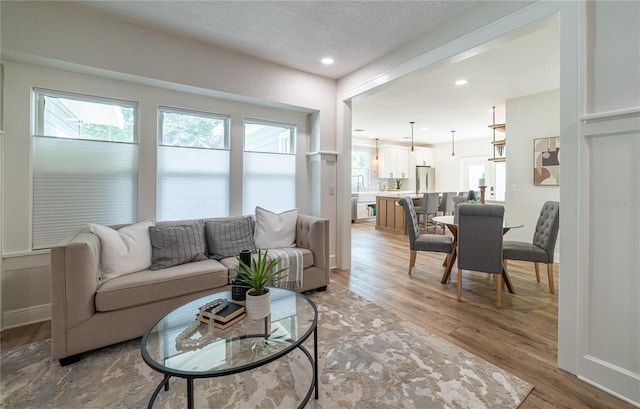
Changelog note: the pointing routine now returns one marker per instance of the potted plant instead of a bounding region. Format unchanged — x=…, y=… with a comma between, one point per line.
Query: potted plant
x=260, y=275
x=398, y=184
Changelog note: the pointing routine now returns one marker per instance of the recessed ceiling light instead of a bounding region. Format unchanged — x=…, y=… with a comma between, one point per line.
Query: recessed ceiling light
x=461, y=82
x=327, y=61
x=424, y=128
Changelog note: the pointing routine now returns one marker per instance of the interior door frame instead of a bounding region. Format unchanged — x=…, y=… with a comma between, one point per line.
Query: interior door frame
x=531, y=18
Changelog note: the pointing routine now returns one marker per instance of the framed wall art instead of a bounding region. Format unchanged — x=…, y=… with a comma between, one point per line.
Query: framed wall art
x=546, y=161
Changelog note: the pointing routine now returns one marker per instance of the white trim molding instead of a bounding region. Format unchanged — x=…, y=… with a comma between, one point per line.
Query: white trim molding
x=608, y=313
x=25, y=316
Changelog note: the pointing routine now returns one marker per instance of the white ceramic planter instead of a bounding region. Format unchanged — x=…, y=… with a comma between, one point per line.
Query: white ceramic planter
x=258, y=306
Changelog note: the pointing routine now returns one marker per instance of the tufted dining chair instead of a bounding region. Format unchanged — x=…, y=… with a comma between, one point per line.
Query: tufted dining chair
x=421, y=242
x=446, y=204
x=541, y=249
x=480, y=244
x=456, y=201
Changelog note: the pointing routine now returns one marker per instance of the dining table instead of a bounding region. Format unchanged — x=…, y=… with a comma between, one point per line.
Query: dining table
x=452, y=224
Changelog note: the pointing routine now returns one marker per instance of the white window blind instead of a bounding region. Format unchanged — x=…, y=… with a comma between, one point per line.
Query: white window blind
x=193, y=165
x=269, y=175
x=192, y=183
x=76, y=182
x=85, y=164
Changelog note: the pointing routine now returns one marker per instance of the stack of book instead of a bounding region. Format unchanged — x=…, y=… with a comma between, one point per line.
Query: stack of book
x=224, y=318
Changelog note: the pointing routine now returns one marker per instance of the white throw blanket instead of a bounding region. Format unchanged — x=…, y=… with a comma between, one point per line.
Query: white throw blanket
x=291, y=260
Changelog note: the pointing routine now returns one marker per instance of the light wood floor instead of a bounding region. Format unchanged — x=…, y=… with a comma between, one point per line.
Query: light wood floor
x=520, y=338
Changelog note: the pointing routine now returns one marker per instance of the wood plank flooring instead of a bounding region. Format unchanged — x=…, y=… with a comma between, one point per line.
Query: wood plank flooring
x=521, y=337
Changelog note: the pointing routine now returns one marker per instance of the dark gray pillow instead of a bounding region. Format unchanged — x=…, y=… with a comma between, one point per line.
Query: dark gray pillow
x=226, y=238
x=174, y=245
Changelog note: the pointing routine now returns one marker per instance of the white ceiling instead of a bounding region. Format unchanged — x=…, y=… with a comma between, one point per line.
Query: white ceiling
x=298, y=34
x=524, y=66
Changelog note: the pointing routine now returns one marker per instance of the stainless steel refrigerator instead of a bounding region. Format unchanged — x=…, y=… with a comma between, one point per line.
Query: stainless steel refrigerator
x=425, y=179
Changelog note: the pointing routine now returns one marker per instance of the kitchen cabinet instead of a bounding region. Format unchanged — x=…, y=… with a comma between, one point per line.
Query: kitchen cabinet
x=424, y=156
x=389, y=215
x=394, y=163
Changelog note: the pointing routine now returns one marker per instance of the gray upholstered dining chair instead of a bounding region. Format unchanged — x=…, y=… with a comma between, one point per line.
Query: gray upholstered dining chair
x=446, y=204
x=428, y=208
x=541, y=249
x=480, y=244
x=456, y=201
x=421, y=242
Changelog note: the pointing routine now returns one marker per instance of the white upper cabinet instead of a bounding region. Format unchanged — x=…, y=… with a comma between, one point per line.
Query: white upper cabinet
x=424, y=156
x=394, y=163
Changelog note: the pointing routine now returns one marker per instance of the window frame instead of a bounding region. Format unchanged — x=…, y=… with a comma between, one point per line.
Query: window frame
x=163, y=147
x=95, y=214
x=194, y=112
x=292, y=146
x=38, y=117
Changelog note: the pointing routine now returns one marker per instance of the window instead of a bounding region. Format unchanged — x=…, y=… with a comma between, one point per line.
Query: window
x=269, y=176
x=475, y=172
x=494, y=174
x=359, y=170
x=85, y=164
x=193, y=165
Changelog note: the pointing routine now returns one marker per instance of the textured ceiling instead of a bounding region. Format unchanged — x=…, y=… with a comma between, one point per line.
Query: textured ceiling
x=296, y=34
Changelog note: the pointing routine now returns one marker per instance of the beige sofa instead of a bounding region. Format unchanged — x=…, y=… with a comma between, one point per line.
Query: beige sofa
x=89, y=314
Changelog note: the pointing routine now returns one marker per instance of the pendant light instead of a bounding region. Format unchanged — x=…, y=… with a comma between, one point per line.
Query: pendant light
x=376, y=149
x=412, y=122
x=453, y=150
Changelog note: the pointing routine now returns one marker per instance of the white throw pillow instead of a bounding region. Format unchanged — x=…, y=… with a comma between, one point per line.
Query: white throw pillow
x=275, y=230
x=124, y=251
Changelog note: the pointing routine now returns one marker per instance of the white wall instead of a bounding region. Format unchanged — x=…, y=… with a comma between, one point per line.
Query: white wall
x=448, y=170
x=94, y=54
x=606, y=308
x=528, y=118
x=26, y=273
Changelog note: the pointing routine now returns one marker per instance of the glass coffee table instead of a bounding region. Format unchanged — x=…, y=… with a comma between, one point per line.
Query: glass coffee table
x=210, y=352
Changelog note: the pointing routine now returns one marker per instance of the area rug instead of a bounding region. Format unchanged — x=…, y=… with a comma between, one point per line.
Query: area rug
x=368, y=358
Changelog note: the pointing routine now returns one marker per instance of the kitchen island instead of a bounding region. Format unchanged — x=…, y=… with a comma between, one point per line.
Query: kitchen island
x=390, y=215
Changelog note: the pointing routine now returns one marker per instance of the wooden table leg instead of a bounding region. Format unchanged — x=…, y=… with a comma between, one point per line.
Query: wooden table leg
x=451, y=257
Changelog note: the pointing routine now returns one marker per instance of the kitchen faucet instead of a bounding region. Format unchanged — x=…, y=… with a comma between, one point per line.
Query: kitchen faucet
x=358, y=183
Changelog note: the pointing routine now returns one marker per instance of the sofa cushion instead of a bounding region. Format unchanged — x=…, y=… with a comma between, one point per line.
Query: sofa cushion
x=123, y=251
x=274, y=230
x=175, y=245
x=148, y=286
x=226, y=238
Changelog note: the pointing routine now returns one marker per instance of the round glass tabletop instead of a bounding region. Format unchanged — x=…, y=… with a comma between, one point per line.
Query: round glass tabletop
x=507, y=224
x=174, y=347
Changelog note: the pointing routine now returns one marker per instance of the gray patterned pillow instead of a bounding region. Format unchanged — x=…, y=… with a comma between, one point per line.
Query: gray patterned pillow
x=226, y=238
x=174, y=245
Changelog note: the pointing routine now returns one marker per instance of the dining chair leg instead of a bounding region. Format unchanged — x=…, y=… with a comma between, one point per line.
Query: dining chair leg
x=550, y=274
x=498, y=290
x=537, y=272
x=459, y=284
x=412, y=260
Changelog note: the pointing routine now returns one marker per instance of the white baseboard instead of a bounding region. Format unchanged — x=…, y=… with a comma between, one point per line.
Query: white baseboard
x=24, y=316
